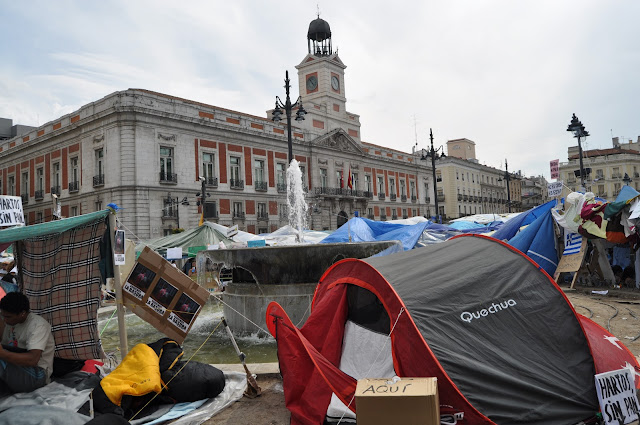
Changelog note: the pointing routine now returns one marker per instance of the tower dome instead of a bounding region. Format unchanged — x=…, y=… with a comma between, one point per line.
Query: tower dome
x=319, y=38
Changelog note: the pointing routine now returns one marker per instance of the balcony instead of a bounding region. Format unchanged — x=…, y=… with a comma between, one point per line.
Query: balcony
x=74, y=187
x=394, y=216
x=236, y=184
x=260, y=186
x=281, y=187
x=403, y=198
x=98, y=180
x=169, y=212
x=171, y=178
x=238, y=215
x=55, y=190
x=392, y=197
x=616, y=176
x=459, y=197
x=263, y=216
x=465, y=198
x=381, y=196
x=211, y=181
x=25, y=198
x=39, y=195
x=383, y=217
x=368, y=194
x=414, y=198
x=427, y=199
x=339, y=192
x=440, y=198
x=371, y=217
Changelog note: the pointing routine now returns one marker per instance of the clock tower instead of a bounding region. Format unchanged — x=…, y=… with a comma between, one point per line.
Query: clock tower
x=321, y=85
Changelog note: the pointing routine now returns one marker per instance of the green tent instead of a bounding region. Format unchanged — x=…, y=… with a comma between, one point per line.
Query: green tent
x=191, y=241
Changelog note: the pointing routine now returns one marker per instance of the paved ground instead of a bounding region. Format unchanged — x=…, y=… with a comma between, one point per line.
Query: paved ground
x=618, y=311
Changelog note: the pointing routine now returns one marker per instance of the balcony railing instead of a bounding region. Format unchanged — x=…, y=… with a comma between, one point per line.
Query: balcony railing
x=341, y=192
x=459, y=197
x=427, y=199
x=170, y=212
x=39, y=195
x=260, y=186
x=236, y=184
x=239, y=215
x=98, y=180
x=211, y=181
x=403, y=198
x=440, y=198
x=371, y=216
x=405, y=216
x=465, y=197
x=392, y=197
x=74, y=187
x=25, y=198
x=383, y=217
x=381, y=196
x=368, y=194
x=55, y=190
x=414, y=198
x=263, y=216
x=394, y=216
x=281, y=187
x=168, y=177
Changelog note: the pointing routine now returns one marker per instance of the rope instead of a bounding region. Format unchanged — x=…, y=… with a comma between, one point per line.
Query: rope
x=107, y=324
x=374, y=361
x=178, y=372
x=245, y=317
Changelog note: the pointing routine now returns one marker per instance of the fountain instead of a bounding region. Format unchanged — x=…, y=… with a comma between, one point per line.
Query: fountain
x=287, y=274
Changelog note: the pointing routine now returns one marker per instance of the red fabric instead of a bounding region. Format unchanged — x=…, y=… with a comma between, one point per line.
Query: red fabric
x=608, y=352
x=350, y=180
x=341, y=179
x=309, y=358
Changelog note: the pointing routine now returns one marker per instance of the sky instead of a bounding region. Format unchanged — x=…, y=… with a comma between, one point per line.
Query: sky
x=505, y=74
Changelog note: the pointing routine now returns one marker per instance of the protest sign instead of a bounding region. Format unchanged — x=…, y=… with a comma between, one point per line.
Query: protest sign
x=118, y=249
x=553, y=165
x=555, y=189
x=11, y=211
x=617, y=396
x=163, y=296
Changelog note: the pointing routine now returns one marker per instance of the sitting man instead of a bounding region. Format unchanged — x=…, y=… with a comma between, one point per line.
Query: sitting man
x=26, y=355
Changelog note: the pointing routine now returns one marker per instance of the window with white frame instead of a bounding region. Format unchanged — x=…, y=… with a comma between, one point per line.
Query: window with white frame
x=392, y=186
x=367, y=182
x=258, y=168
x=166, y=163
x=74, y=169
x=303, y=172
x=412, y=188
x=354, y=181
x=12, y=186
x=73, y=211
x=55, y=174
x=238, y=211
x=209, y=167
x=24, y=184
x=403, y=187
x=234, y=162
x=323, y=177
x=339, y=180
x=281, y=174
x=40, y=179
x=99, y=158
x=380, y=184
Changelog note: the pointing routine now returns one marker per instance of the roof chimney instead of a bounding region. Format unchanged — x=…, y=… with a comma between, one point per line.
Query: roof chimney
x=616, y=142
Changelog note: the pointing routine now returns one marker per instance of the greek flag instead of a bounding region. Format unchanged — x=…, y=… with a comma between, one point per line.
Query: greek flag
x=572, y=243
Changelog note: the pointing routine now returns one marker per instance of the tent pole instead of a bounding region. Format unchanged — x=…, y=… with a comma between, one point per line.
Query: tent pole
x=122, y=330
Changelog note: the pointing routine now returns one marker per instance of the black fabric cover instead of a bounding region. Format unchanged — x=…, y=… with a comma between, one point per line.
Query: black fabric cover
x=195, y=382
x=501, y=329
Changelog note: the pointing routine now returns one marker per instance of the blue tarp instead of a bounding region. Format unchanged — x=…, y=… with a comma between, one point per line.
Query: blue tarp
x=537, y=240
x=359, y=229
x=626, y=193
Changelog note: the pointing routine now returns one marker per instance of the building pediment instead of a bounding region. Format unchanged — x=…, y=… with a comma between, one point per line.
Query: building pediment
x=338, y=140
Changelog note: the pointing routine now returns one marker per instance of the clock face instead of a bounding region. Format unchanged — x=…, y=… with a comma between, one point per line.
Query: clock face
x=312, y=82
x=335, y=83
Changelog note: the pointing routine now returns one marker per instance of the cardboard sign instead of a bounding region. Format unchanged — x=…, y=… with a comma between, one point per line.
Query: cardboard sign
x=11, y=211
x=617, y=396
x=553, y=165
x=554, y=189
x=572, y=262
x=163, y=296
x=397, y=401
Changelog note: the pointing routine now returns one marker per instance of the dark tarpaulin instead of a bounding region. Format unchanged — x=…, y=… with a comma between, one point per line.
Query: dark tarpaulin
x=502, y=330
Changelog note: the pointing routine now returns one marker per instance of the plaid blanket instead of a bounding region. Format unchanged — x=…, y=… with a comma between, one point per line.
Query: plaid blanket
x=61, y=277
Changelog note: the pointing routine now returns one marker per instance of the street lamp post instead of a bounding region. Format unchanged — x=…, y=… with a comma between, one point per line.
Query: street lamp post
x=169, y=201
x=578, y=131
x=288, y=106
x=507, y=177
x=432, y=153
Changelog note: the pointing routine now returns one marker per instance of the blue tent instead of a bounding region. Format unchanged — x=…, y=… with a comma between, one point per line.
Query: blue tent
x=509, y=229
x=537, y=240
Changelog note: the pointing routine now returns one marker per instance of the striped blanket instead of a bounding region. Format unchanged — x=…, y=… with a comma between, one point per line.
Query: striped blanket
x=61, y=277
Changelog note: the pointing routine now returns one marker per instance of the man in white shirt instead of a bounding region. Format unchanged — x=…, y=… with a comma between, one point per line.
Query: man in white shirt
x=26, y=354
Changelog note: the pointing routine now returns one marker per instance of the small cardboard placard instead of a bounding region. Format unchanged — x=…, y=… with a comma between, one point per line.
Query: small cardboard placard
x=617, y=396
x=397, y=401
x=118, y=248
x=163, y=296
x=572, y=262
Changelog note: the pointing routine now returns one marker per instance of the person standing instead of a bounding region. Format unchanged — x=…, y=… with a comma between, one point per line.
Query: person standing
x=26, y=354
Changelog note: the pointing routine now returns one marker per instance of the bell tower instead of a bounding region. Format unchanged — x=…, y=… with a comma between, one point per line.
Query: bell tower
x=321, y=85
